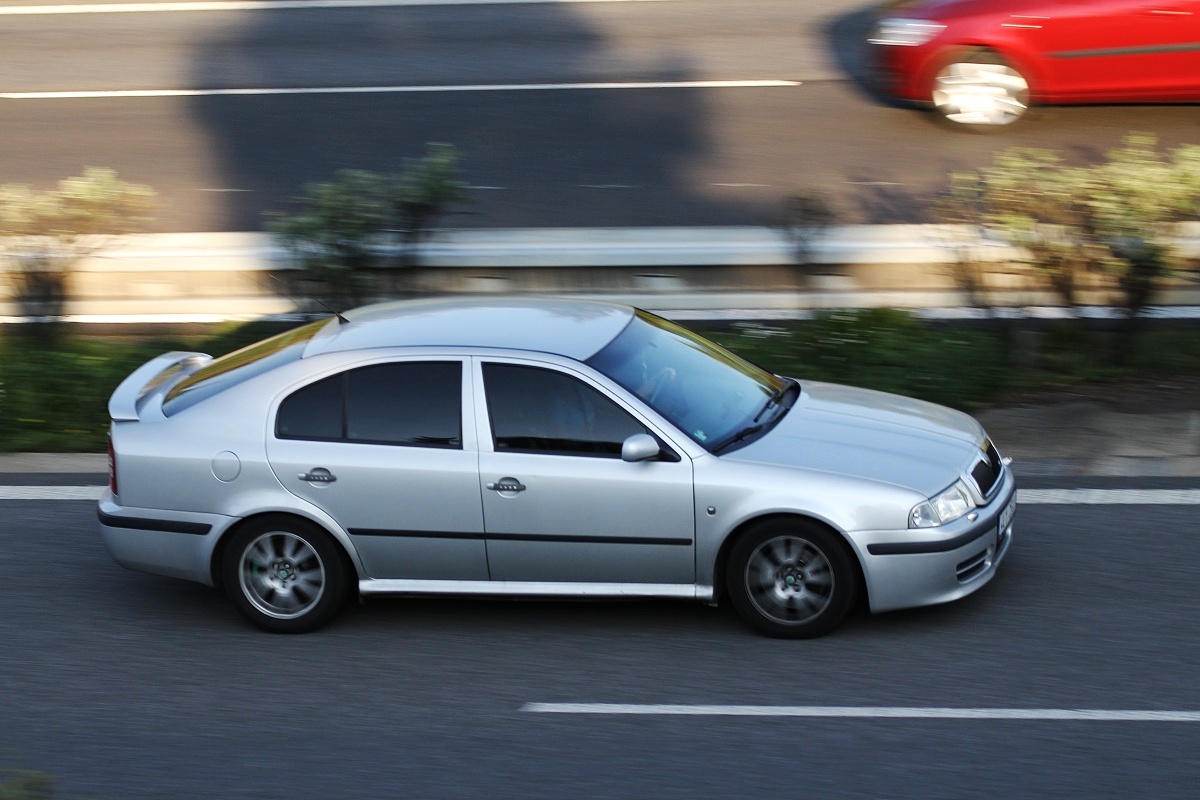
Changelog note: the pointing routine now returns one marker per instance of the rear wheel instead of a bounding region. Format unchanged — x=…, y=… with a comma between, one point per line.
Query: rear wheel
x=285, y=575
x=791, y=579
x=980, y=91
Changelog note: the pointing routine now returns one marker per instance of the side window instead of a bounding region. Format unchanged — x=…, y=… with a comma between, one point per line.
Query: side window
x=543, y=411
x=416, y=404
x=314, y=412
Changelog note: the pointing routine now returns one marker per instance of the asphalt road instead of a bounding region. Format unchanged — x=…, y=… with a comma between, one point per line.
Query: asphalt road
x=538, y=157
x=128, y=686
x=131, y=686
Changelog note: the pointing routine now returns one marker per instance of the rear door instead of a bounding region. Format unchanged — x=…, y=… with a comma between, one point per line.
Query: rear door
x=384, y=450
x=560, y=504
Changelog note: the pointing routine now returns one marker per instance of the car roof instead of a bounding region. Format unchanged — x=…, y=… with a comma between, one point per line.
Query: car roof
x=575, y=329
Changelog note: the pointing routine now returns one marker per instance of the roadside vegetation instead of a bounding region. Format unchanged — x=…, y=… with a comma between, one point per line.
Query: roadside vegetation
x=54, y=395
x=1106, y=230
x=25, y=784
x=353, y=238
x=44, y=235
x=54, y=392
x=1103, y=233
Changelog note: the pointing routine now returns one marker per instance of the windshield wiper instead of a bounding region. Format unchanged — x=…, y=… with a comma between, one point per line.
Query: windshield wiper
x=744, y=433
x=775, y=398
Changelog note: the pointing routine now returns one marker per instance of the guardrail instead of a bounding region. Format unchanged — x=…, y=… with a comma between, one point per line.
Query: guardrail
x=229, y=275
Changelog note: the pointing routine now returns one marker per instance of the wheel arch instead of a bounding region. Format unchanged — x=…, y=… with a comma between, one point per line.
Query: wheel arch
x=1033, y=73
x=722, y=561
x=222, y=546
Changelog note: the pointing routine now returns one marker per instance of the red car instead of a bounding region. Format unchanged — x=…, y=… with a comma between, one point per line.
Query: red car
x=980, y=63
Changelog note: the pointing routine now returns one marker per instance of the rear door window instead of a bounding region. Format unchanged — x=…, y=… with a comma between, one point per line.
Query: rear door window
x=416, y=404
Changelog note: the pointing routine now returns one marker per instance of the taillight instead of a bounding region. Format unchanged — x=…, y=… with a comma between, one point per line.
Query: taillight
x=112, y=467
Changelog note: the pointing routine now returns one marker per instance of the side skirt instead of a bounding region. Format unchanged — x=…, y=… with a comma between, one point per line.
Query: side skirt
x=685, y=591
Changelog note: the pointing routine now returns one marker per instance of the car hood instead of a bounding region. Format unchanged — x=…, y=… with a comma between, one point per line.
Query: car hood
x=872, y=435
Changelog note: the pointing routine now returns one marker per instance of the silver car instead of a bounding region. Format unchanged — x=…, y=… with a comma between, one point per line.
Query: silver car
x=532, y=447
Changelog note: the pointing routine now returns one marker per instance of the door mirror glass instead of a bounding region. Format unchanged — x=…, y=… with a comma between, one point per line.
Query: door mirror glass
x=639, y=447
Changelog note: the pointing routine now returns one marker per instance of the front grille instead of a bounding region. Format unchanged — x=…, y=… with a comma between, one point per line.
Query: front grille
x=971, y=567
x=986, y=471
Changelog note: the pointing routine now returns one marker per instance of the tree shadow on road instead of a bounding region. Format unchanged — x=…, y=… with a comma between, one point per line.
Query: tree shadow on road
x=565, y=157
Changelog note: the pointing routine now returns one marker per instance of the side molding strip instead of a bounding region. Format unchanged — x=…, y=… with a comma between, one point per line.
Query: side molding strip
x=144, y=524
x=687, y=591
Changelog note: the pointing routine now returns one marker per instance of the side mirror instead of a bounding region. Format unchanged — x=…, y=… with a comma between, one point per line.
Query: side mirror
x=639, y=447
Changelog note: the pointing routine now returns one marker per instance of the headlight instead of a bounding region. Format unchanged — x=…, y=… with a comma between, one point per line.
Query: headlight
x=946, y=507
x=905, y=32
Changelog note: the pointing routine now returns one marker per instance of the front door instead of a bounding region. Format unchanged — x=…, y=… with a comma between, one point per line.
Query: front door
x=559, y=503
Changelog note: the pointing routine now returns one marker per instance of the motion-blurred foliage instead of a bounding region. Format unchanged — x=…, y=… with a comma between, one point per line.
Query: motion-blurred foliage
x=54, y=394
x=347, y=231
x=54, y=398
x=1110, y=225
x=24, y=784
x=45, y=234
x=882, y=349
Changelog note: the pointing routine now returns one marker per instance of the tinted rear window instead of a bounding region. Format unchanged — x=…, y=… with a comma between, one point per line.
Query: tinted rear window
x=418, y=404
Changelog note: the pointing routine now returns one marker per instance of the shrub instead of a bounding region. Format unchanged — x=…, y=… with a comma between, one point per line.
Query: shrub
x=361, y=222
x=44, y=235
x=882, y=349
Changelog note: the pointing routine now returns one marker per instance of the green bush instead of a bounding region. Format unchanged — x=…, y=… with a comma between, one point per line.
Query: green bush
x=882, y=349
x=24, y=784
x=54, y=395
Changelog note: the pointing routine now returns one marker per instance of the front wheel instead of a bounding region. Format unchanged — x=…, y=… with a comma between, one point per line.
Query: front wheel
x=980, y=91
x=791, y=579
x=284, y=575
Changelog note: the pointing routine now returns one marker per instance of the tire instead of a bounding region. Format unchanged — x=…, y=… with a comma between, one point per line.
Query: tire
x=791, y=579
x=285, y=575
x=981, y=92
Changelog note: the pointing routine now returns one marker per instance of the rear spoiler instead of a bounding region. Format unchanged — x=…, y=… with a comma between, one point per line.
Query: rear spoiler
x=122, y=406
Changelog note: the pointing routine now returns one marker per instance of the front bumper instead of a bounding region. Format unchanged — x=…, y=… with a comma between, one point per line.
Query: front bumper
x=904, y=73
x=904, y=569
x=172, y=543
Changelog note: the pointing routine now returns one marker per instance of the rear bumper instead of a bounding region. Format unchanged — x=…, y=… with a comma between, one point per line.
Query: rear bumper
x=904, y=569
x=176, y=544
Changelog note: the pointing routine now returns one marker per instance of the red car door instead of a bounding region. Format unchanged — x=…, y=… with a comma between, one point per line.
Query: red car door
x=1116, y=50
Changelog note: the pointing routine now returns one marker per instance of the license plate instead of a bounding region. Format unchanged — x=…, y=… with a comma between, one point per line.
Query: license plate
x=1006, y=517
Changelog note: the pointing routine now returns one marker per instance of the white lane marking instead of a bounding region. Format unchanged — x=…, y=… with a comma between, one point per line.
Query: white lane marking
x=51, y=492
x=481, y=87
x=867, y=712
x=1100, y=497
x=1070, y=497
x=274, y=5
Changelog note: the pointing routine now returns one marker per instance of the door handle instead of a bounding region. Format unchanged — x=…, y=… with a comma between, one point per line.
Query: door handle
x=317, y=475
x=507, y=485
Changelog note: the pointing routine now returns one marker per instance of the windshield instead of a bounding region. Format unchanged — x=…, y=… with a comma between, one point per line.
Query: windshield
x=703, y=389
